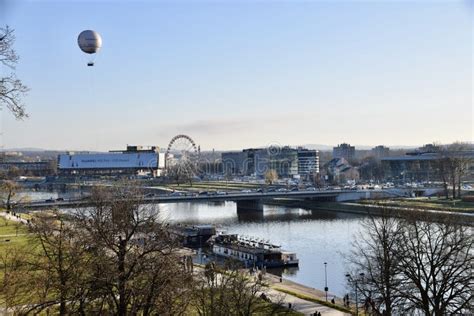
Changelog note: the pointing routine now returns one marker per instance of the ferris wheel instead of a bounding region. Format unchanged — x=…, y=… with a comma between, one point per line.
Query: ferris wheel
x=182, y=155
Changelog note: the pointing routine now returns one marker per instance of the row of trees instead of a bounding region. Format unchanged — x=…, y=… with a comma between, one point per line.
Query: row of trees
x=229, y=292
x=115, y=257
x=414, y=266
x=452, y=166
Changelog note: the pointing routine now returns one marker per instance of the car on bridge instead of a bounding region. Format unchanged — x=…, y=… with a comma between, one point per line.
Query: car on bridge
x=177, y=194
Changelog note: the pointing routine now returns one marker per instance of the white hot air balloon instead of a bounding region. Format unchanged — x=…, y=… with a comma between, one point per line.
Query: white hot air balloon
x=89, y=42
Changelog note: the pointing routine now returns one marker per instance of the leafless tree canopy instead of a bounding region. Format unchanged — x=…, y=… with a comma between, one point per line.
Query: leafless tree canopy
x=114, y=258
x=8, y=190
x=436, y=260
x=61, y=259
x=224, y=292
x=452, y=166
x=414, y=265
x=12, y=90
x=182, y=172
x=117, y=258
x=375, y=253
x=271, y=176
x=134, y=266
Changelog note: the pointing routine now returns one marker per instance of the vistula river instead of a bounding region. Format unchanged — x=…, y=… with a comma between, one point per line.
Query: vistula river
x=316, y=236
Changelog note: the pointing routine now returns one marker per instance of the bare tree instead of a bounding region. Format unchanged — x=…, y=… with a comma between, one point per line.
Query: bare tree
x=211, y=297
x=436, y=260
x=374, y=253
x=45, y=273
x=115, y=257
x=16, y=282
x=135, y=268
x=453, y=165
x=8, y=190
x=11, y=88
x=462, y=162
x=60, y=264
x=227, y=291
x=182, y=172
x=414, y=265
x=271, y=176
x=442, y=167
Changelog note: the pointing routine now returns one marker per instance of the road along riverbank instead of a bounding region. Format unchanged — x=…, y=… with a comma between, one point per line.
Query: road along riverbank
x=379, y=208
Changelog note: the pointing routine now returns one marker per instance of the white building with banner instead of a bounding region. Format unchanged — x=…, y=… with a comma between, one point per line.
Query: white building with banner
x=135, y=160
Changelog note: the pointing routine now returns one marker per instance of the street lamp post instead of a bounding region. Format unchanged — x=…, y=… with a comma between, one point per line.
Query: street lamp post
x=326, y=280
x=350, y=279
x=200, y=249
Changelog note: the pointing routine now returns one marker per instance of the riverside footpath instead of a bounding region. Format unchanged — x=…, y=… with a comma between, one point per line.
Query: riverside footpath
x=303, y=299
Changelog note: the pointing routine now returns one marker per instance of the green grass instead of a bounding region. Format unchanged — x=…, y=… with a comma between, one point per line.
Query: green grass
x=8, y=227
x=8, y=231
x=19, y=241
x=425, y=203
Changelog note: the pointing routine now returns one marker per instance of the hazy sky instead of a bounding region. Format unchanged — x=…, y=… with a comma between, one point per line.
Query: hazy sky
x=235, y=74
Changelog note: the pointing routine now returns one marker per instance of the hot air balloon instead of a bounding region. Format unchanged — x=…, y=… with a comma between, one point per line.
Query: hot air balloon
x=89, y=42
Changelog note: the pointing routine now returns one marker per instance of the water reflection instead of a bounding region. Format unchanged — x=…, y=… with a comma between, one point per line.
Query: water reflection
x=286, y=272
x=33, y=195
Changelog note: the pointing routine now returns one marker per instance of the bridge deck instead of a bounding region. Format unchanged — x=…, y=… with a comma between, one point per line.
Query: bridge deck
x=73, y=203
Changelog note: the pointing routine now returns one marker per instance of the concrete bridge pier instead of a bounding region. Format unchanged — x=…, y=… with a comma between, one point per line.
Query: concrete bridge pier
x=250, y=216
x=249, y=205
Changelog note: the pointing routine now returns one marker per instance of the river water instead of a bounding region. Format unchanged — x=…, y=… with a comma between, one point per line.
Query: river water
x=316, y=236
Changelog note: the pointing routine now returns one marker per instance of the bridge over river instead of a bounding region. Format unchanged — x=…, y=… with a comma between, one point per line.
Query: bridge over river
x=252, y=201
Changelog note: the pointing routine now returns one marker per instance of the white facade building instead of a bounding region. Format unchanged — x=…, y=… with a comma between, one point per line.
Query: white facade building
x=134, y=160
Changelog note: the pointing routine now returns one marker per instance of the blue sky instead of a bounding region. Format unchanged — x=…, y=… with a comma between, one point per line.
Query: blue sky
x=236, y=74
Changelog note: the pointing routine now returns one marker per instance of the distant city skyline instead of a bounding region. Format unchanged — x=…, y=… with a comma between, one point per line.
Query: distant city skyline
x=240, y=74
x=321, y=147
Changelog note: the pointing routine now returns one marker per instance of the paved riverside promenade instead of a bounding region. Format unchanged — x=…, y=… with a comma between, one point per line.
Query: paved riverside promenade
x=10, y=217
x=300, y=305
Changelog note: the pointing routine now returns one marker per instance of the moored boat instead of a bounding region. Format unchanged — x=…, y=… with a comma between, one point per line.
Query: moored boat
x=252, y=251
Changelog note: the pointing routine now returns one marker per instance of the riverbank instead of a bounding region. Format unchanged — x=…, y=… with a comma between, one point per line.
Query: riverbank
x=310, y=299
x=395, y=207
x=300, y=299
x=427, y=203
x=9, y=225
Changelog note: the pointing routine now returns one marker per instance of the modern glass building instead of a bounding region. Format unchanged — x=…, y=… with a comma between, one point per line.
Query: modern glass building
x=286, y=161
x=308, y=162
